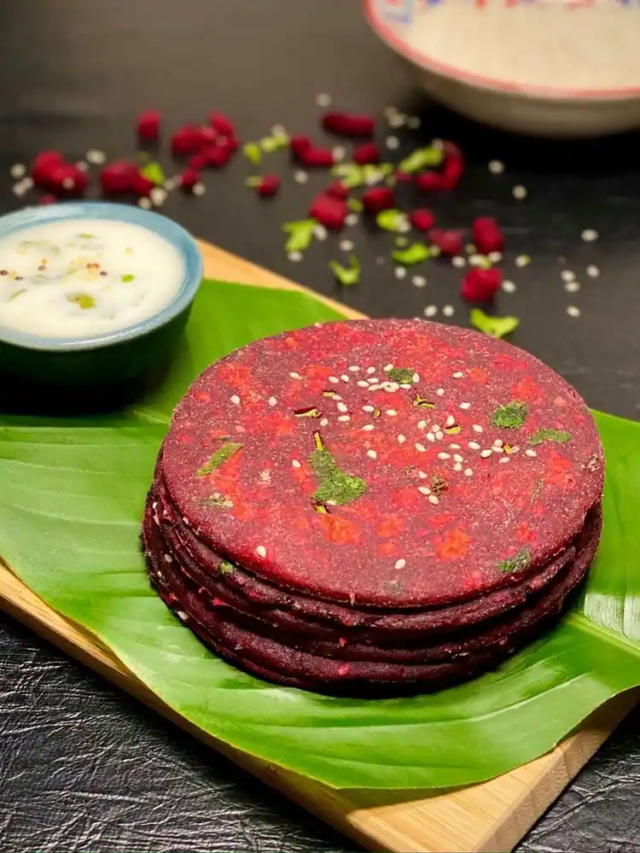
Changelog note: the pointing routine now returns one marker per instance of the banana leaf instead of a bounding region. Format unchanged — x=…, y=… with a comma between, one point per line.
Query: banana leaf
x=70, y=507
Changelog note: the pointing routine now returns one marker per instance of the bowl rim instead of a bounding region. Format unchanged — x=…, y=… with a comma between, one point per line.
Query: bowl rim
x=162, y=226
x=490, y=84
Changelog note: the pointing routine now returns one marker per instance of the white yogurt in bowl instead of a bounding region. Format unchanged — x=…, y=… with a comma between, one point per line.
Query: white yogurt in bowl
x=85, y=277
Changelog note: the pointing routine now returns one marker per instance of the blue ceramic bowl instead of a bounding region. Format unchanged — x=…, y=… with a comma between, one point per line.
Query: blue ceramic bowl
x=117, y=356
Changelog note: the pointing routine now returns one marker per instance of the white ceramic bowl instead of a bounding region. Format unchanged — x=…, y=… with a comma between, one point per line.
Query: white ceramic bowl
x=555, y=68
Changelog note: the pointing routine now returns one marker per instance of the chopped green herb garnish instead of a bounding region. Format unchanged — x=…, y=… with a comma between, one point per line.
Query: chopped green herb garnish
x=321, y=509
x=350, y=174
x=83, y=300
x=128, y=277
x=154, y=172
x=329, y=393
x=438, y=485
x=392, y=220
x=375, y=172
x=537, y=491
x=275, y=142
x=355, y=204
x=308, y=413
x=401, y=242
x=452, y=430
x=253, y=153
x=497, y=327
x=219, y=458
x=219, y=501
x=335, y=487
x=511, y=416
x=226, y=568
x=423, y=402
x=558, y=435
x=346, y=275
x=421, y=158
x=414, y=254
x=520, y=561
x=300, y=234
x=401, y=375
x=377, y=413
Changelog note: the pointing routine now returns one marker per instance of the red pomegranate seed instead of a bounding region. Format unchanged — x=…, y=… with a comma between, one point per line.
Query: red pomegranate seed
x=187, y=140
x=403, y=177
x=149, y=126
x=140, y=185
x=348, y=124
x=367, y=153
x=330, y=212
x=269, y=186
x=480, y=285
x=422, y=219
x=206, y=136
x=117, y=178
x=188, y=179
x=298, y=145
x=216, y=156
x=317, y=158
x=377, y=199
x=486, y=235
x=229, y=143
x=67, y=179
x=43, y=165
x=338, y=190
x=449, y=242
x=47, y=199
x=222, y=124
x=429, y=181
x=197, y=162
x=453, y=166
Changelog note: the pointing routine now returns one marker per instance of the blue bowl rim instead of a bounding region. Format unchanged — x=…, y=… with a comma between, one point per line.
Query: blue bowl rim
x=164, y=227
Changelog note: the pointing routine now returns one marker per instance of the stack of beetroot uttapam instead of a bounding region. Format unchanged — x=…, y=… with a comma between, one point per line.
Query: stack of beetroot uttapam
x=374, y=506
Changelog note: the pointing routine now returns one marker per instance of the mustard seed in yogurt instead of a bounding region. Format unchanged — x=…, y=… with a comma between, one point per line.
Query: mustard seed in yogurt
x=85, y=277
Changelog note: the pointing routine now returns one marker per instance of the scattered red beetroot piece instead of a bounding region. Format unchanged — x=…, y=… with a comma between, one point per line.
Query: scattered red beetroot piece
x=449, y=242
x=348, y=124
x=329, y=211
x=117, y=178
x=186, y=140
x=268, y=186
x=43, y=166
x=429, y=181
x=377, y=199
x=149, y=126
x=338, y=190
x=486, y=235
x=67, y=179
x=367, y=153
x=317, y=158
x=47, y=199
x=222, y=124
x=298, y=145
x=481, y=285
x=403, y=177
x=422, y=219
x=188, y=179
x=141, y=185
x=216, y=156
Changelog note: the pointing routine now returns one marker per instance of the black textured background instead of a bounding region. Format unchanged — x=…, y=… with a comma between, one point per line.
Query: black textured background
x=84, y=768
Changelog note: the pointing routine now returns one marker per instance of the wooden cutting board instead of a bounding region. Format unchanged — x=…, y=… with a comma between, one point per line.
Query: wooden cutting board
x=488, y=817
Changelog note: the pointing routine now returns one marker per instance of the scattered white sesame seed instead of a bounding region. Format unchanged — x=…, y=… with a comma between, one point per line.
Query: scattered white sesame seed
x=422, y=424
x=261, y=551
x=477, y=428
x=419, y=281
x=458, y=262
x=422, y=475
x=477, y=260
x=572, y=286
x=96, y=157
x=272, y=401
x=457, y=467
x=470, y=249
x=450, y=420
x=497, y=449
x=589, y=235
x=346, y=245
x=392, y=143
x=144, y=203
x=158, y=196
x=352, y=219
x=504, y=459
x=336, y=397
x=354, y=368
x=439, y=435
x=468, y=472
x=387, y=368
x=235, y=400
x=433, y=499
x=344, y=377
x=473, y=445
x=567, y=275
x=334, y=379
x=368, y=409
x=440, y=392
x=514, y=449
x=458, y=375
x=342, y=407
x=430, y=311
x=420, y=448
x=400, y=272
x=496, y=167
x=82, y=166
x=295, y=256
x=27, y=183
x=495, y=257
x=465, y=405
x=368, y=427
x=397, y=120
x=508, y=287
x=371, y=370
x=199, y=189
x=435, y=427
x=486, y=454
x=363, y=383
x=523, y=260
x=457, y=458
x=300, y=176
x=168, y=558
x=344, y=418
x=519, y=192
x=391, y=412
x=339, y=153
x=324, y=422
x=448, y=310
x=295, y=375
x=430, y=436
x=498, y=442
x=320, y=232
x=455, y=447
x=572, y=311
x=68, y=183
x=400, y=564
x=593, y=271
x=18, y=190
x=18, y=170
x=530, y=453
x=372, y=454
x=295, y=463
x=375, y=387
x=401, y=439
x=444, y=455
x=323, y=100
x=424, y=490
